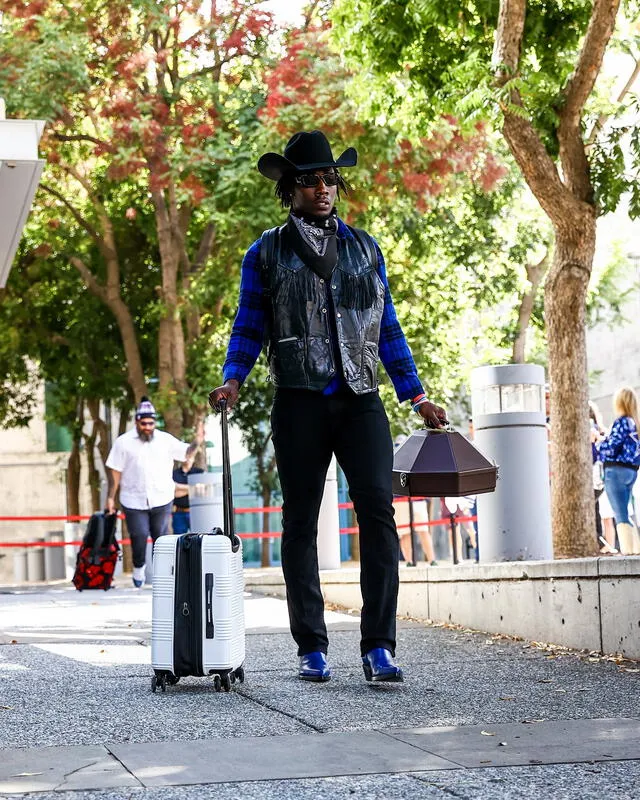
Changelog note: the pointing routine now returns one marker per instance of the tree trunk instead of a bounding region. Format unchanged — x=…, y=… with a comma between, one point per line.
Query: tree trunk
x=265, y=559
x=135, y=372
x=172, y=363
x=535, y=274
x=123, y=422
x=172, y=370
x=97, y=438
x=572, y=503
x=94, y=475
x=111, y=296
x=73, y=477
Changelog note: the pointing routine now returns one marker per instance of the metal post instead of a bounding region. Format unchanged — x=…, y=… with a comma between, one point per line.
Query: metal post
x=412, y=531
x=107, y=421
x=454, y=543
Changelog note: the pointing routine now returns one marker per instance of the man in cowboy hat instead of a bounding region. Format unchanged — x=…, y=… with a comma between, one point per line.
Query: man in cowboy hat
x=316, y=291
x=140, y=465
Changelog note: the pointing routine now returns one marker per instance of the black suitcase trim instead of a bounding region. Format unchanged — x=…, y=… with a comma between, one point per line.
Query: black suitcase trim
x=187, y=624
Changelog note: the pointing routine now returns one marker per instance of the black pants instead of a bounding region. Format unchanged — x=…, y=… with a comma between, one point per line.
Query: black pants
x=142, y=523
x=308, y=427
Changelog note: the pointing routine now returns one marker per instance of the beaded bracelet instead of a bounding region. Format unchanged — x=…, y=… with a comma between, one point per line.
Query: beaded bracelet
x=417, y=402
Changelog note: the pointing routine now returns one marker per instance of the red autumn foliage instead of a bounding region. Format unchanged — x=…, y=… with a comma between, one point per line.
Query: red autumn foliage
x=302, y=79
x=24, y=10
x=195, y=188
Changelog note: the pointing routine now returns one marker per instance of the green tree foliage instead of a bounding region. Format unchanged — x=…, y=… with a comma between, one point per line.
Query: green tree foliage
x=529, y=67
x=435, y=203
x=160, y=97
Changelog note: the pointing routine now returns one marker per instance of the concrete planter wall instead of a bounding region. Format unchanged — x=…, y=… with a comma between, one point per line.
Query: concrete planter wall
x=590, y=603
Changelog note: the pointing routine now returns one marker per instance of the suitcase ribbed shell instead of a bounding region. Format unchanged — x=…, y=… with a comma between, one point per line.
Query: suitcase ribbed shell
x=227, y=648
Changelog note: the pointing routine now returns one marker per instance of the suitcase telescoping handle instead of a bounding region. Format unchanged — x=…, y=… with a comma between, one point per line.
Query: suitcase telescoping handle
x=227, y=489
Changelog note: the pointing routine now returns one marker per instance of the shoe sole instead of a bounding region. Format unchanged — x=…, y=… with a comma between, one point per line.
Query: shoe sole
x=368, y=676
x=315, y=678
x=387, y=679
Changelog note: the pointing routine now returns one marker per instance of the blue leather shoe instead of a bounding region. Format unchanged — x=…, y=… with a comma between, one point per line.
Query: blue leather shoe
x=313, y=667
x=378, y=665
x=137, y=584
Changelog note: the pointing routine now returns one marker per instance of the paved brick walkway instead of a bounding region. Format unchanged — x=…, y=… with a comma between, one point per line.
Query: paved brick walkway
x=478, y=716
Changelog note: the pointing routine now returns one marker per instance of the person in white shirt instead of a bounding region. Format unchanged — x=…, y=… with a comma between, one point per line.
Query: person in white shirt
x=140, y=464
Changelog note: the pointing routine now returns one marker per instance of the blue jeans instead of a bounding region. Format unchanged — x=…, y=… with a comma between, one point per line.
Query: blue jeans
x=618, y=484
x=142, y=523
x=180, y=522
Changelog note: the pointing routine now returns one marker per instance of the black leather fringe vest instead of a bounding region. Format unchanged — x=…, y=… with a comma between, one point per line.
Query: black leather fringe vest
x=301, y=349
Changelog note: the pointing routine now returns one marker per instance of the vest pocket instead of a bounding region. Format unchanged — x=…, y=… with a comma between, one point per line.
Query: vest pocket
x=288, y=360
x=369, y=366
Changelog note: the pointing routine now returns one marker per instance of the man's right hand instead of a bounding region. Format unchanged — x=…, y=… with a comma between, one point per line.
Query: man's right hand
x=228, y=391
x=111, y=505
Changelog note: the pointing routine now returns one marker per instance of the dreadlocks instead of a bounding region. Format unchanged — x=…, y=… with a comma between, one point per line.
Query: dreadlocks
x=284, y=188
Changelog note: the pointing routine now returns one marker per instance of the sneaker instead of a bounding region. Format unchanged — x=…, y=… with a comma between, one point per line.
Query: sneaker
x=138, y=576
x=606, y=547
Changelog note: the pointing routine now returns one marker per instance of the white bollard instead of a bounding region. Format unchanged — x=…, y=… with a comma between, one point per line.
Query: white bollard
x=329, y=522
x=35, y=563
x=20, y=566
x=73, y=532
x=54, y=566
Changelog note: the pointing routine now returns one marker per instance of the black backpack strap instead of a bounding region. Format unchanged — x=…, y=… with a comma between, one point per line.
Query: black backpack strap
x=268, y=245
x=98, y=543
x=367, y=244
x=267, y=256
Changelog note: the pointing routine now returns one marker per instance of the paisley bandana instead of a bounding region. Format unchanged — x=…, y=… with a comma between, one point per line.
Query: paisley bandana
x=314, y=241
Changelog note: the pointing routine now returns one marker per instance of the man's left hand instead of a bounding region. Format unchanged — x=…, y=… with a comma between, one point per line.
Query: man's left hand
x=433, y=415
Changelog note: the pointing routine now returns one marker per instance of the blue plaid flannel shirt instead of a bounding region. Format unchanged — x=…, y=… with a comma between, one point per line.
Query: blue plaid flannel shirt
x=247, y=334
x=621, y=445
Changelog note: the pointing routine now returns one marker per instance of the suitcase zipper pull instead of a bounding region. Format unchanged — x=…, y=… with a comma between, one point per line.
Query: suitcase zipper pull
x=185, y=610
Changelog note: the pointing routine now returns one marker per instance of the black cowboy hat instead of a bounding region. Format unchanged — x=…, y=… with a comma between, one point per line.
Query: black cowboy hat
x=304, y=151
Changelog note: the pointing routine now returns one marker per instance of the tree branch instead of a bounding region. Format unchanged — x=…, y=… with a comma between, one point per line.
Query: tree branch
x=204, y=248
x=308, y=17
x=538, y=168
x=508, y=40
x=78, y=137
x=92, y=283
x=75, y=213
x=535, y=274
x=581, y=83
x=536, y=164
x=573, y=156
x=599, y=123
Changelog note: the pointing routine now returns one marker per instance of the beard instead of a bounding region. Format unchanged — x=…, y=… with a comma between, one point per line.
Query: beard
x=146, y=436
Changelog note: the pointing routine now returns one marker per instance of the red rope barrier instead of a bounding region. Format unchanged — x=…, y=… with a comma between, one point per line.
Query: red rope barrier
x=248, y=535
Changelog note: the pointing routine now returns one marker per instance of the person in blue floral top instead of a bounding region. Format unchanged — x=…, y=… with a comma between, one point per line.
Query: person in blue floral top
x=620, y=454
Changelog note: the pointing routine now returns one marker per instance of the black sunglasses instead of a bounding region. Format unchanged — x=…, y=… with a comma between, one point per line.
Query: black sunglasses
x=310, y=179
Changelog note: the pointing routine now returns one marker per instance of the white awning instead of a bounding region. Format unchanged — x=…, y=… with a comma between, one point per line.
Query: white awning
x=20, y=170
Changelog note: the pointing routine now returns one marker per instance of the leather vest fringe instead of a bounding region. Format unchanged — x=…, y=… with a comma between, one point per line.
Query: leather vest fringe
x=301, y=350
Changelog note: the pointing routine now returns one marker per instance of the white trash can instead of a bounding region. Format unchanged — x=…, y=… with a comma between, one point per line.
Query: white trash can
x=206, y=510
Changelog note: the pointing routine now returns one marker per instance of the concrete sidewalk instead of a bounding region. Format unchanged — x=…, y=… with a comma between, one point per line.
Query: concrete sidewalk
x=478, y=716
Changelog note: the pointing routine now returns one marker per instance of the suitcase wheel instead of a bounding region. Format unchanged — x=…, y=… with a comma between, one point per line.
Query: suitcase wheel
x=226, y=682
x=217, y=682
x=239, y=674
x=161, y=679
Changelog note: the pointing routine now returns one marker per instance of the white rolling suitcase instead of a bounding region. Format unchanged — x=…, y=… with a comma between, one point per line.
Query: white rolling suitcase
x=197, y=623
